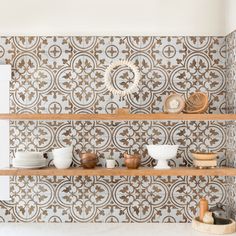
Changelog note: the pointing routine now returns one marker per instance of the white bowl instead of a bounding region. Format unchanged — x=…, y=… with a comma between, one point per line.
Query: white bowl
x=162, y=153
x=62, y=163
x=60, y=151
x=63, y=153
x=62, y=156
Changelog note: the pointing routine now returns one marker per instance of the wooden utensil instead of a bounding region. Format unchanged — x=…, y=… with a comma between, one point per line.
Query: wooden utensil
x=203, y=205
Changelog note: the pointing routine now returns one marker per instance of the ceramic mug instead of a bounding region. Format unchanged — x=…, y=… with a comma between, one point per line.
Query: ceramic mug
x=111, y=164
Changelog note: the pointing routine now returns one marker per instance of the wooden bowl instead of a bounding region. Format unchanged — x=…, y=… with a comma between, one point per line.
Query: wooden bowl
x=196, y=103
x=214, y=229
x=88, y=160
x=174, y=103
x=132, y=161
x=204, y=155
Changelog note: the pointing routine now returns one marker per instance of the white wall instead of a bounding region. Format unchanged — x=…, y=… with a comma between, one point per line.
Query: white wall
x=230, y=16
x=112, y=17
x=5, y=77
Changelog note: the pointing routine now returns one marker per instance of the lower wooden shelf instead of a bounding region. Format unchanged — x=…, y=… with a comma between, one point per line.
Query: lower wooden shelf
x=180, y=171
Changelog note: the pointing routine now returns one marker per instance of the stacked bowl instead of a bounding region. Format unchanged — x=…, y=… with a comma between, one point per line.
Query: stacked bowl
x=205, y=159
x=62, y=157
x=29, y=160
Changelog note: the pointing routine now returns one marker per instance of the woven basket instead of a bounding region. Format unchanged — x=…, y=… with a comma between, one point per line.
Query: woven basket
x=196, y=103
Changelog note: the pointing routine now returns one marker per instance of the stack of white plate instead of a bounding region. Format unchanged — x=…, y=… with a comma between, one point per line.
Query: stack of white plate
x=29, y=160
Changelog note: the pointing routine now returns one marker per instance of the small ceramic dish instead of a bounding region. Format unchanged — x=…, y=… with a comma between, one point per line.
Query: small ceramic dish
x=174, y=104
x=204, y=155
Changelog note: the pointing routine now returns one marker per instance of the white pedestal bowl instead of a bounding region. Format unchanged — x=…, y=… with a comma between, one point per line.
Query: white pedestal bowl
x=162, y=153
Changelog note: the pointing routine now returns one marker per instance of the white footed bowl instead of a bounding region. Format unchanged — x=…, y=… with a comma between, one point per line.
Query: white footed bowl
x=162, y=153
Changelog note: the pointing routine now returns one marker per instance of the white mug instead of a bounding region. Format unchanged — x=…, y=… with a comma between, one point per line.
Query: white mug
x=111, y=164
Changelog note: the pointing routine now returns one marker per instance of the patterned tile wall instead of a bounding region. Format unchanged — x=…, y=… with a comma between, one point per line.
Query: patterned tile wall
x=231, y=126
x=65, y=75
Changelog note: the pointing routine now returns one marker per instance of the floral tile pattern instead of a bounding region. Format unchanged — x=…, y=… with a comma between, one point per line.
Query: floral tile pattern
x=109, y=199
x=65, y=75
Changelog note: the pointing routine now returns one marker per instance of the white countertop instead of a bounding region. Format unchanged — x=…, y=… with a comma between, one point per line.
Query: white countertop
x=98, y=229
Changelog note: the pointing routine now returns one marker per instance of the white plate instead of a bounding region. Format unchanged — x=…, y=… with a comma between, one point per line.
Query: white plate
x=28, y=155
x=17, y=162
x=29, y=160
x=25, y=165
x=29, y=167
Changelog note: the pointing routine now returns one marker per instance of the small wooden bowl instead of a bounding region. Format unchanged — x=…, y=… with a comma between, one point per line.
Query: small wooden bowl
x=175, y=108
x=132, y=161
x=197, y=103
x=214, y=229
x=88, y=160
x=204, y=155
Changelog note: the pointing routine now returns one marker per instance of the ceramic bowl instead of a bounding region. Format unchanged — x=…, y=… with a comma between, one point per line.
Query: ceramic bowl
x=62, y=156
x=62, y=163
x=162, y=153
x=204, y=155
x=62, y=151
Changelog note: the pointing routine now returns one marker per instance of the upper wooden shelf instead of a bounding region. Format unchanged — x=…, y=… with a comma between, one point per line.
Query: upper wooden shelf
x=157, y=116
x=181, y=171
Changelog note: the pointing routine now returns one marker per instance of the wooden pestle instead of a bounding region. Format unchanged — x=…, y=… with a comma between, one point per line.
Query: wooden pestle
x=203, y=205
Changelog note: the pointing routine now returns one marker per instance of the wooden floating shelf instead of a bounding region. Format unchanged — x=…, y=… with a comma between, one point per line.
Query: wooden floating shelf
x=180, y=171
x=157, y=116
